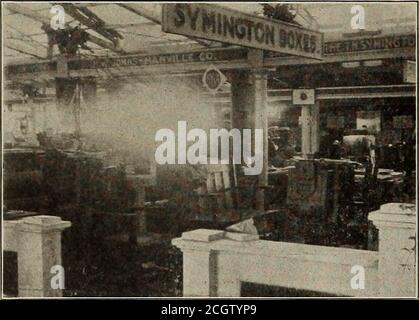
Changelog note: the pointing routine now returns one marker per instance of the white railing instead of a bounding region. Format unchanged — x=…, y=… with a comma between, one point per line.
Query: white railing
x=215, y=263
x=37, y=241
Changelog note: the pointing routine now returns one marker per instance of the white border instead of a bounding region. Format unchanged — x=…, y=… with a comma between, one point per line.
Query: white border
x=211, y=298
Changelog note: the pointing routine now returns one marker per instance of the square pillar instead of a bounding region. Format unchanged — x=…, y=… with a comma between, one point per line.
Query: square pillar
x=199, y=273
x=199, y=262
x=39, y=250
x=228, y=275
x=139, y=184
x=310, y=133
x=249, y=111
x=66, y=92
x=212, y=266
x=396, y=224
x=260, y=80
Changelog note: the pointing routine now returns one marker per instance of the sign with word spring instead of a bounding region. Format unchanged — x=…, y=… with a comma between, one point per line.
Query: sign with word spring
x=221, y=24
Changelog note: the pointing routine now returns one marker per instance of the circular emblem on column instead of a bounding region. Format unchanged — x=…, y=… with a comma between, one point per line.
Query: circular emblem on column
x=303, y=96
x=213, y=79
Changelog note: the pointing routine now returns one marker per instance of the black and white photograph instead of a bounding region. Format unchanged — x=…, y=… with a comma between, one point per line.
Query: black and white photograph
x=184, y=150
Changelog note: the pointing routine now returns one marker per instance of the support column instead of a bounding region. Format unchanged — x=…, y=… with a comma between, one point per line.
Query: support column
x=32, y=116
x=31, y=134
x=396, y=224
x=249, y=111
x=139, y=204
x=69, y=95
x=39, y=249
x=260, y=80
x=66, y=99
x=50, y=48
x=89, y=90
x=315, y=128
x=310, y=133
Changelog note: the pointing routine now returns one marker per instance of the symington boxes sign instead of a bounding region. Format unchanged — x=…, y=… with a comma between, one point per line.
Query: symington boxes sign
x=370, y=44
x=217, y=23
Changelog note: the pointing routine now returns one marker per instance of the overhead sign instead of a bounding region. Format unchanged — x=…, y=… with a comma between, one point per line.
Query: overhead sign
x=158, y=59
x=303, y=96
x=30, y=68
x=370, y=44
x=370, y=120
x=213, y=79
x=212, y=22
x=217, y=55
x=409, y=71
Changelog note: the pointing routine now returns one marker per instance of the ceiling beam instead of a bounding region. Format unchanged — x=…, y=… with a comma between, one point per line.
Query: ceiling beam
x=23, y=37
x=98, y=26
x=137, y=9
x=102, y=23
x=128, y=25
x=16, y=8
x=140, y=11
x=18, y=48
x=45, y=20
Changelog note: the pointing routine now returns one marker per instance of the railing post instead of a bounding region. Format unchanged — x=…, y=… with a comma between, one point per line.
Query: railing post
x=396, y=223
x=199, y=262
x=38, y=250
x=208, y=271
